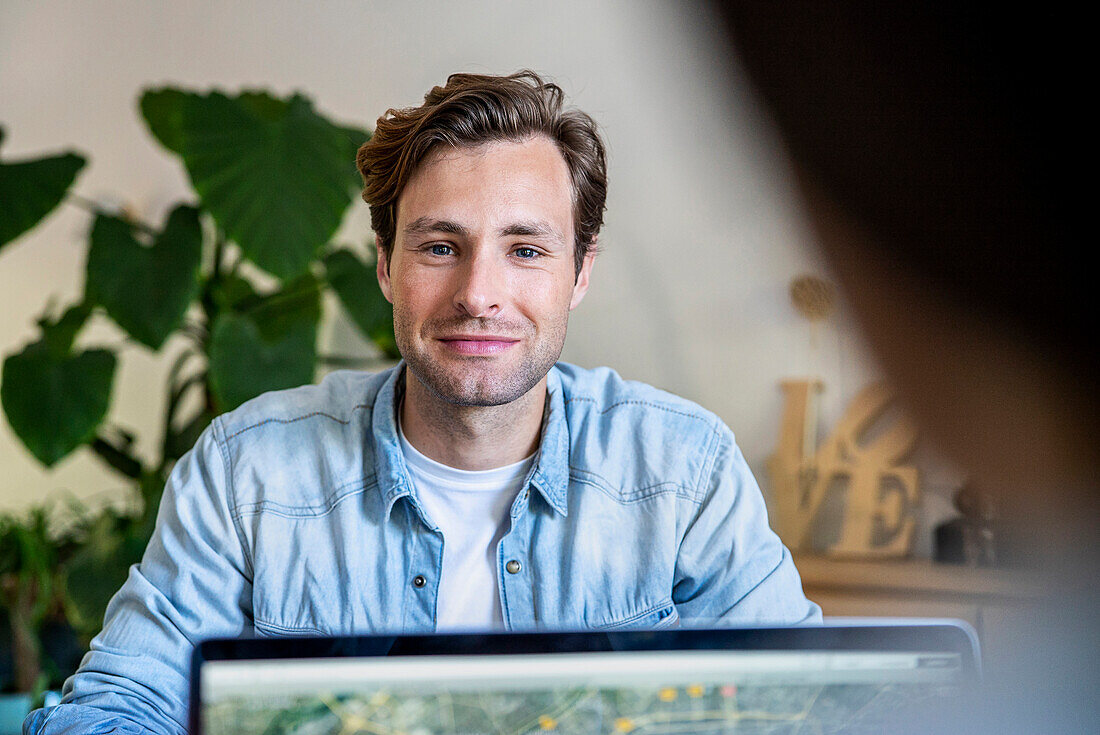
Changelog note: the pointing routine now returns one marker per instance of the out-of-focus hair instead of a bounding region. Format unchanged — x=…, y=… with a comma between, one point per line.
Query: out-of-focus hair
x=952, y=135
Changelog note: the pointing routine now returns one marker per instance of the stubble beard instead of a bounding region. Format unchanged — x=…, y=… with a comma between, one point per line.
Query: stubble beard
x=476, y=381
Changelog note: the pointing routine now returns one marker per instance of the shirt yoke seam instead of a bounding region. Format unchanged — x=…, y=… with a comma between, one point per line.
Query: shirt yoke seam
x=634, y=496
x=305, y=511
x=650, y=404
x=294, y=419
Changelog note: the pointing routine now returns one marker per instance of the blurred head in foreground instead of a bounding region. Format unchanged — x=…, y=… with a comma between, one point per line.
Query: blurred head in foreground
x=931, y=144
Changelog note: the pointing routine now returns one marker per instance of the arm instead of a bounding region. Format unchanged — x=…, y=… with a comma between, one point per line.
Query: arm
x=192, y=583
x=732, y=569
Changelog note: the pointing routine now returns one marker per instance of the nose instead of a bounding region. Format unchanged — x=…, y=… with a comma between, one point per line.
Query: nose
x=480, y=287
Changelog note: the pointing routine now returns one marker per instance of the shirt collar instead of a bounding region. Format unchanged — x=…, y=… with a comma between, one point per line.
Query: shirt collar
x=389, y=465
x=550, y=474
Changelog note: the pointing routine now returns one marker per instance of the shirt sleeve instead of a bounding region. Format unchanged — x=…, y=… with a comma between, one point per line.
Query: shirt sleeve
x=732, y=568
x=193, y=582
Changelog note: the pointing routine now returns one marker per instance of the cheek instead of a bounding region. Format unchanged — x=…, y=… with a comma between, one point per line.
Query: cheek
x=408, y=314
x=540, y=296
x=416, y=293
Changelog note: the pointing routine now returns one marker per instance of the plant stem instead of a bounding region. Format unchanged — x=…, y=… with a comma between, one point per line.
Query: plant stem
x=206, y=299
x=26, y=652
x=219, y=253
x=117, y=458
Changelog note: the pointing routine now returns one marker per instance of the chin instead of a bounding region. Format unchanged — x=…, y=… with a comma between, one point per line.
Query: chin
x=479, y=394
x=466, y=384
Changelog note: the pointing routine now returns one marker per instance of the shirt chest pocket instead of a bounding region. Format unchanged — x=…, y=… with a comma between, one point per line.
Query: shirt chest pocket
x=311, y=579
x=663, y=615
x=612, y=562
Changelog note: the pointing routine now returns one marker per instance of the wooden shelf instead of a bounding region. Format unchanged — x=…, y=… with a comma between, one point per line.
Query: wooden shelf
x=991, y=600
x=922, y=578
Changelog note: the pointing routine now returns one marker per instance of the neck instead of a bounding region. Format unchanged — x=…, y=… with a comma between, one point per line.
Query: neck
x=472, y=437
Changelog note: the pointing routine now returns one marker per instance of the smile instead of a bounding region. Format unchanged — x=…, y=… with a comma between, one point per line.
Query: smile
x=478, y=345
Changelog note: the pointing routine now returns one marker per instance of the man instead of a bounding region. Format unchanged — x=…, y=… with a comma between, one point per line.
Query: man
x=476, y=485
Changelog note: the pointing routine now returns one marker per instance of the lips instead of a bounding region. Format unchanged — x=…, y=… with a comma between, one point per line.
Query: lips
x=479, y=344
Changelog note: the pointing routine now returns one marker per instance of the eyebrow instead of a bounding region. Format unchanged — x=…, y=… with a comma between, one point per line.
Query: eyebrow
x=530, y=228
x=424, y=225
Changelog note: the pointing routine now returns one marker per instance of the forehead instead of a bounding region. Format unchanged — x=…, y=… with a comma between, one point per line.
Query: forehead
x=488, y=182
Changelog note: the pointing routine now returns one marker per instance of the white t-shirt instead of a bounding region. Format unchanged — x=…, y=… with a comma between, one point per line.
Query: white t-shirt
x=471, y=509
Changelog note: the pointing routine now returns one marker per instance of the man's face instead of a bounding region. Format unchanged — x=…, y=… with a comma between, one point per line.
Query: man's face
x=481, y=276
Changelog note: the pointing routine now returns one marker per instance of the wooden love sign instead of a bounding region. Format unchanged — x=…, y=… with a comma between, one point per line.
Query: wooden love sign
x=879, y=491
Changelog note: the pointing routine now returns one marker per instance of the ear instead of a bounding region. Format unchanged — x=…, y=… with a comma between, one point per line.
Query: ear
x=580, y=288
x=382, y=269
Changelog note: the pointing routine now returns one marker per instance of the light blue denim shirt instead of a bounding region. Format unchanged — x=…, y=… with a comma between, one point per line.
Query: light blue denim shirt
x=295, y=515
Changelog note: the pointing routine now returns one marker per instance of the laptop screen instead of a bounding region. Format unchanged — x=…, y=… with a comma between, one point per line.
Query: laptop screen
x=653, y=683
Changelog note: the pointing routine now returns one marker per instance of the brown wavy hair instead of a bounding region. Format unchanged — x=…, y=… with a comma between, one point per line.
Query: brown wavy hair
x=474, y=109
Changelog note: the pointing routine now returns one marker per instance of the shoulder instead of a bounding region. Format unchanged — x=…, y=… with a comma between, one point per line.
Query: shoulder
x=602, y=395
x=338, y=399
x=635, y=439
x=300, y=451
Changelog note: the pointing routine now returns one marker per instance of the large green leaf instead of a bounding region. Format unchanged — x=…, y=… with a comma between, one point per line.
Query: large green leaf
x=146, y=289
x=243, y=364
x=163, y=113
x=54, y=402
x=272, y=345
x=58, y=335
x=232, y=292
x=276, y=176
x=280, y=313
x=29, y=190
x=357, y=286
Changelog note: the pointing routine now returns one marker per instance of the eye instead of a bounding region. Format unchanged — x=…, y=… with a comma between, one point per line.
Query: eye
x=526, y=253
x=440, y=248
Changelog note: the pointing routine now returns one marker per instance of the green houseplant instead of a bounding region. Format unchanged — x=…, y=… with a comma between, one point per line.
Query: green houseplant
x=239, y=272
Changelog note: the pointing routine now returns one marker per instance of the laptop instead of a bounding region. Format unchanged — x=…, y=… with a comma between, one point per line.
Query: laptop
x=842, y=677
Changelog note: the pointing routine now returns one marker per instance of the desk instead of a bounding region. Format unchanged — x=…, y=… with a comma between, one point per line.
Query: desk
x=992, y=600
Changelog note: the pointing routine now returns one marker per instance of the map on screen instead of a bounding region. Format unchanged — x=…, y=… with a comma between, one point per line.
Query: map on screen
x=625, y=692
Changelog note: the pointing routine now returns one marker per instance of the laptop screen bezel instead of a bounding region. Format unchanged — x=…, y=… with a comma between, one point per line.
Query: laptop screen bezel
x=933, y=637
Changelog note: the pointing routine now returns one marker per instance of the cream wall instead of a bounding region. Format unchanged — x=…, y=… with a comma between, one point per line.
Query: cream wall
x=701, y=237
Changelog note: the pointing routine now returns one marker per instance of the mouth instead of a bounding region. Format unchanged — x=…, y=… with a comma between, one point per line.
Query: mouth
x=480, y=344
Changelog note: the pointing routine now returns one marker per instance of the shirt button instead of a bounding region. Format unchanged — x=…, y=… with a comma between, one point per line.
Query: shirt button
x=513, y=567
x=419, y=581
